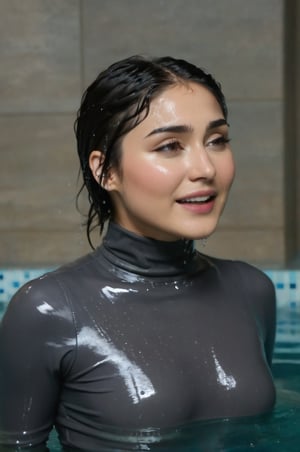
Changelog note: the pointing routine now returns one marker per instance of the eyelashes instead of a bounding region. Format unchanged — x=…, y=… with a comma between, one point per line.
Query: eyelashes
x=221, y=141
x=176, y=146
x=173, y=145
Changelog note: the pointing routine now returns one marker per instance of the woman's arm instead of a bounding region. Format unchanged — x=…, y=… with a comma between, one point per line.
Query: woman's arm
x=260, y=293
x=30, y=365
x=269, y=315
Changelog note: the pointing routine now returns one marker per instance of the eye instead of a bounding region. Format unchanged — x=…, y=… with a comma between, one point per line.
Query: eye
x=170, y=146
x=219, y=142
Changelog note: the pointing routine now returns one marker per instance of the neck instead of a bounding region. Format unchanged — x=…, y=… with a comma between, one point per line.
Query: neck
x=147, y=256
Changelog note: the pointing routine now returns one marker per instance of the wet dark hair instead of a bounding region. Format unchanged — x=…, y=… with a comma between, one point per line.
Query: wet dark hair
x=116, y=102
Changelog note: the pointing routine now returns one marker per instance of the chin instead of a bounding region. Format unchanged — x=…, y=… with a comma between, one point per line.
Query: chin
x=199, y=233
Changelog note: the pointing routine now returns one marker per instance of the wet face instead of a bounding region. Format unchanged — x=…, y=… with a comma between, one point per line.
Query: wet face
x=176, y=167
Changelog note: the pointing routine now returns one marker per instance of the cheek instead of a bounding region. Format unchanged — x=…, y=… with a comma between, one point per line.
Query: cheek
x=151, y=177
x=226, y=170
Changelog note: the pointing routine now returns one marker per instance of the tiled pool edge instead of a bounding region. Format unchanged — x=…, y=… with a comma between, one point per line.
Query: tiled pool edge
x=287, y=284
x=12, y=279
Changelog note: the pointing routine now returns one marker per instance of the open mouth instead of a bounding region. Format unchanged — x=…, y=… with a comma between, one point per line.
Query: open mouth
x=197, y=200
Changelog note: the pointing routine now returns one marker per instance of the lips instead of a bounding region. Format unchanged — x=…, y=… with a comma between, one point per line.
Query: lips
x=200, y=203
x=197, y=198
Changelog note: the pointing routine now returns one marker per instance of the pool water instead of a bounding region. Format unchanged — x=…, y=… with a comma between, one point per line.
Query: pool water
x=276, y=432
x=279, y=431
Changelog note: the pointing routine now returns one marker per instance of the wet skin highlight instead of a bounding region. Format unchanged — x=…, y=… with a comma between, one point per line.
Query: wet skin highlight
x=179, y=151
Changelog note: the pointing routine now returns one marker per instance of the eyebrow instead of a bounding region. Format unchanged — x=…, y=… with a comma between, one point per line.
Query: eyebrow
x=187, y=128
x=172, y=129
x=216, y=123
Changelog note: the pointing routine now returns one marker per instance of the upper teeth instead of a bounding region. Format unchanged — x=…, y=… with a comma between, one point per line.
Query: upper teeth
x=197, y=199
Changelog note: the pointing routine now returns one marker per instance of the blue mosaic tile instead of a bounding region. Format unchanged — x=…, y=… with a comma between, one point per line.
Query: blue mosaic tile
x=287, y=284
x=12, y=279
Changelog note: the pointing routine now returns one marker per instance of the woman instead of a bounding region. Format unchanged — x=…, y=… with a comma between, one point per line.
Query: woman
x=145, y=332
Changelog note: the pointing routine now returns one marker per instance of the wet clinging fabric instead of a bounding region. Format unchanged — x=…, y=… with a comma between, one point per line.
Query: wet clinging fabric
x=138, y=334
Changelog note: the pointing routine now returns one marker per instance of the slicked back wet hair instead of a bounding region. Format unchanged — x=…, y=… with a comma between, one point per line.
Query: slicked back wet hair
x=116, y=102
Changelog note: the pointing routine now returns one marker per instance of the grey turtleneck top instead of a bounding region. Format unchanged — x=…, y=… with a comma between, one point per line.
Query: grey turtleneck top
x=138, y=335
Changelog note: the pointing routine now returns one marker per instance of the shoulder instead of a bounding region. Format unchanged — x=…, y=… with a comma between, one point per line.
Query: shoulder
x=255, y=280
x=248, y=282
x=51, y=293
x=44, y=294
x=243, y=275
x=54, y=291
x=80, y=271
x=34, y=300
x=253, y=286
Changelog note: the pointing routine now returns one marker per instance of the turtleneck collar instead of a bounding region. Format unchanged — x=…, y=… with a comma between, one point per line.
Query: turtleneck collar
x=146, y=256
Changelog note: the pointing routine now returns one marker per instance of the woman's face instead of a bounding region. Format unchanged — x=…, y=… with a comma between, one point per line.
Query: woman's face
x=176, y=167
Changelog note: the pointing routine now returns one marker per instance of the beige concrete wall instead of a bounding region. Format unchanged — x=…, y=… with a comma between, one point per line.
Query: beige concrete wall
x=51, y=49
x=292, y=131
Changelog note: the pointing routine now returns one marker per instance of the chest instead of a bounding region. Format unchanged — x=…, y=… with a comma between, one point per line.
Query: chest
x=169, y=355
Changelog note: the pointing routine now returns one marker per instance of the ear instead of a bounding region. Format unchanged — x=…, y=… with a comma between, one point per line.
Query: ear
x=96, y=160
x=111, y=179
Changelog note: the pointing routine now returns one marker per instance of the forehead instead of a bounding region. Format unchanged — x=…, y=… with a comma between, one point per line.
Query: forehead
x=185, y=103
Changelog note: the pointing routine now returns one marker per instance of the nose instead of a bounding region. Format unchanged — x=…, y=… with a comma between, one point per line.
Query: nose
x=201, y=165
